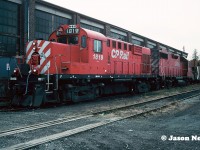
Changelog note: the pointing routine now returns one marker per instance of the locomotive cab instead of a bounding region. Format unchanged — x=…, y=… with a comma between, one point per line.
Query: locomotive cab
x=80, y=50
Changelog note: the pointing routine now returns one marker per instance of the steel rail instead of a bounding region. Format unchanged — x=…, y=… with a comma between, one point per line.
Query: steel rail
x=84, y=128
x=41, y=125
x=83, y=116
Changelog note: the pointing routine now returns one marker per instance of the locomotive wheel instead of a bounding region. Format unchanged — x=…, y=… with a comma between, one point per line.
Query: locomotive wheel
x=143, y=87
x=132, y=90
x=15, y=100
x=168, y=84
x=157, y=86
x=97, y=92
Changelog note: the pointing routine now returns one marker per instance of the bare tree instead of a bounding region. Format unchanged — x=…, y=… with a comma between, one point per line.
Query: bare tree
x=195, y=55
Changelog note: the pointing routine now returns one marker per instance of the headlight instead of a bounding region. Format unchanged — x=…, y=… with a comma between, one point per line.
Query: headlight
x=35, y=71
x=16, y=71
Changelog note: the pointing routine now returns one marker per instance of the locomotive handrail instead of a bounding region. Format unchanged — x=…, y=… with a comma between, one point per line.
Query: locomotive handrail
x=56, y=71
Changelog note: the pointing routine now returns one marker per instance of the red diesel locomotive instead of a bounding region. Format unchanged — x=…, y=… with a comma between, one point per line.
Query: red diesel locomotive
x=78, y=64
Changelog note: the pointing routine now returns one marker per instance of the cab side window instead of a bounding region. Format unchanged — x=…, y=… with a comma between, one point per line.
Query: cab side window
x=83, y=41
x=108, y=43
x=114, y=44
x=97, y=46
x=62, y=39
x=73, y=40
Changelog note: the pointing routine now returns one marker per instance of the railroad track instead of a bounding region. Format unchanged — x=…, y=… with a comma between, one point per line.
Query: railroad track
x=99, y=118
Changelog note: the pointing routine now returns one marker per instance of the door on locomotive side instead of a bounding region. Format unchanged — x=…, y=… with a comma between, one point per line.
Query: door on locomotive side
x=97, y=52
x=81, y=53
x=137, y=57
x=146, y=61
x=165, y=64
x=108, y=49
x=84, y=44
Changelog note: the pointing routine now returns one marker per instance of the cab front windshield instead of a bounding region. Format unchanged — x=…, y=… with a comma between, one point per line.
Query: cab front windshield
x=68, y=40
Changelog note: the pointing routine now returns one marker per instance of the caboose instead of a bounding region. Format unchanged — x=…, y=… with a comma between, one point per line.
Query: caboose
x=78, y=64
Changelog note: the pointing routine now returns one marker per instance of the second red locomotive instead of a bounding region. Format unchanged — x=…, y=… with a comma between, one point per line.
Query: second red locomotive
x=79, y=64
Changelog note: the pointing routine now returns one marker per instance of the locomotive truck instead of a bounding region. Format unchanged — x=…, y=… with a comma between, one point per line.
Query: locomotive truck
x=78, y=64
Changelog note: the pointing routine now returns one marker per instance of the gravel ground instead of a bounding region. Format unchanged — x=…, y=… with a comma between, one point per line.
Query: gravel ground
x=143, y=132
x=135, y=133
x=28, y=117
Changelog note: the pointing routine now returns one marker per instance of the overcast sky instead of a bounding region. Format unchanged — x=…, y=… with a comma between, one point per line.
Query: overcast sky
x=173, y=22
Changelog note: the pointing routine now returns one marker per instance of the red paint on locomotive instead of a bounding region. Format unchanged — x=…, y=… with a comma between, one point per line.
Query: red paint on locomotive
x=74, y=50
x=172, y=65
x=79, y=64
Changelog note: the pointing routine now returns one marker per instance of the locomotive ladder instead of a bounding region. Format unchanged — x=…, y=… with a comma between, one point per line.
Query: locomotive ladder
x=47, y=90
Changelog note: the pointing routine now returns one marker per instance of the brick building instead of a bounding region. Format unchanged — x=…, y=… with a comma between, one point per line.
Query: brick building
x=25, y=20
